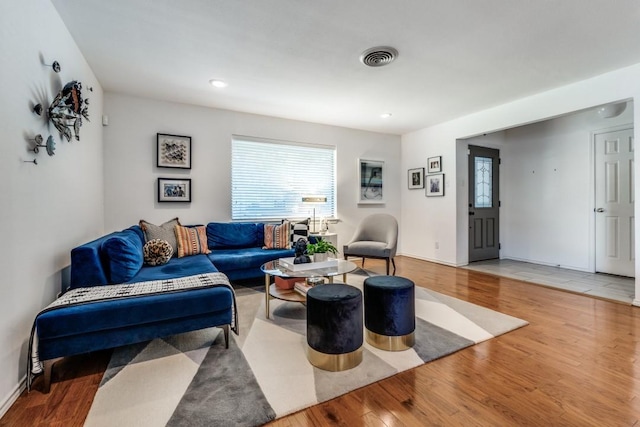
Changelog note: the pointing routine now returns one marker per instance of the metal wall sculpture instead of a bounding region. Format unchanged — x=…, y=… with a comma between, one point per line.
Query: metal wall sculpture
x=65, y=112
x=50, y=145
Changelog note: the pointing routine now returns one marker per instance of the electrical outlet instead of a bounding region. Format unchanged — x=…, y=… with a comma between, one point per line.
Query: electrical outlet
x=437, y=245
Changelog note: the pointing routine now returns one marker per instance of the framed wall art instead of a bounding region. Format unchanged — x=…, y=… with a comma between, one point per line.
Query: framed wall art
x=435, y=185
x=174, y=190
x=370, y=181
x=434, y=164
x=174, y=151
x=416, y=178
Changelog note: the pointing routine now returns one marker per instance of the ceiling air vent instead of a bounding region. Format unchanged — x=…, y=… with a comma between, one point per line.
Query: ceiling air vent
x=378, y=56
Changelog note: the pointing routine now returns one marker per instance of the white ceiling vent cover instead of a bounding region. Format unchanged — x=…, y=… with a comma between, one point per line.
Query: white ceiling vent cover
x=378, y=56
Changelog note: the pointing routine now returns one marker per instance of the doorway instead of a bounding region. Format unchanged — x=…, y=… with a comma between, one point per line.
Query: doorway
x=484, y=203
x=614, y=202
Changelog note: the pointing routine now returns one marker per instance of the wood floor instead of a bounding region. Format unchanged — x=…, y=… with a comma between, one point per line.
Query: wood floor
x=575, y=364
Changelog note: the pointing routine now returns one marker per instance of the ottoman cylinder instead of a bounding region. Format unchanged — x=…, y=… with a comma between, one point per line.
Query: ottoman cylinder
x=389, y=312
x=334, y=327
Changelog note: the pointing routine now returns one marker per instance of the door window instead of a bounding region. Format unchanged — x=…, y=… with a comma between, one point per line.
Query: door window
x=484, y=188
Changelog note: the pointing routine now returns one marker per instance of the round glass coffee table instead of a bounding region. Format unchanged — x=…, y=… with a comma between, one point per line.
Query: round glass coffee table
x=273, y=268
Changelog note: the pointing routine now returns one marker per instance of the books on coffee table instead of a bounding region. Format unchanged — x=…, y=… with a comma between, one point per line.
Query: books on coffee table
x=301, y=288
x=289, y=265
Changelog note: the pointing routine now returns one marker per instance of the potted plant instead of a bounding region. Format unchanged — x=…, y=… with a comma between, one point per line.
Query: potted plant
x=320, y=250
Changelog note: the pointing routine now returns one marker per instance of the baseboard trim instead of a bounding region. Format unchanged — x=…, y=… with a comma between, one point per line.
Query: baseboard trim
x=636, y=302
x=13, y=396
x=436, y=261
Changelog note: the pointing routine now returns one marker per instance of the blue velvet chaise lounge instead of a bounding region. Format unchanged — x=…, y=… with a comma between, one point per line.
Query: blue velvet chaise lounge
x=185, y=294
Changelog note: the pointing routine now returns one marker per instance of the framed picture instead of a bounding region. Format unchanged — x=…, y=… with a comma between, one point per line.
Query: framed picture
x=434, y=164
x=435, y=185
x=370, y=181
x=174, y=190
x=416, y=178
x=174, y=151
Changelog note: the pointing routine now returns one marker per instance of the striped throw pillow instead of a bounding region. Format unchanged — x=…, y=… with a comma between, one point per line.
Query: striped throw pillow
x=191, y=240
x=299, y=230
x=277, y=236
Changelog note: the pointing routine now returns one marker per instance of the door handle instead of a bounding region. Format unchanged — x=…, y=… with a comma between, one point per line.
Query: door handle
x=600, y=210
x=472, y=213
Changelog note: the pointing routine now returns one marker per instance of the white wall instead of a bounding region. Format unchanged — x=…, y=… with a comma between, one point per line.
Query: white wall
x=547, y=188
x=448, y=216
x=131, y=174
x=49, y=208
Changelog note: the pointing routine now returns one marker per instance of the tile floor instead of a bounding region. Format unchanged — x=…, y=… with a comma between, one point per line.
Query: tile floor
x=617, y=288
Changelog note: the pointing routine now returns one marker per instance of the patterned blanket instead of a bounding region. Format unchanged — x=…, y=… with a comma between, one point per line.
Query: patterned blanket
x=80, y=296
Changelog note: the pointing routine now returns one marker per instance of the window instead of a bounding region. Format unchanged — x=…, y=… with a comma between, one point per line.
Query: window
x=269, y=179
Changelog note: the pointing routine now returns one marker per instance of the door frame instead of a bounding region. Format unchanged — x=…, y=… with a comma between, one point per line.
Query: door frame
x=592, y=183
x=462, y=196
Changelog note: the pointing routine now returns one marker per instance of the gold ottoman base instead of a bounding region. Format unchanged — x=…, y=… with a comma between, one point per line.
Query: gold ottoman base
x=334, y=362
x=384, y=342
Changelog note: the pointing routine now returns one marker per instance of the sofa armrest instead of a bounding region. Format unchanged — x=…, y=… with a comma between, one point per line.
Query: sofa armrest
x=86, y=265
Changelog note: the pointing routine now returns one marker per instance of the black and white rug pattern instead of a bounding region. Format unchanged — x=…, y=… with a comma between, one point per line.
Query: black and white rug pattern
x=191, y=379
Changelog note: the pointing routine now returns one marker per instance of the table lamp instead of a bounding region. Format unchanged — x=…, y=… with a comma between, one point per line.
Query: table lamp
x=314, y=200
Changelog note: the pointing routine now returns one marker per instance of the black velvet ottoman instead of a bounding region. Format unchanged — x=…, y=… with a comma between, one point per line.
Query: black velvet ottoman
x=334, y=327
x=389, y=312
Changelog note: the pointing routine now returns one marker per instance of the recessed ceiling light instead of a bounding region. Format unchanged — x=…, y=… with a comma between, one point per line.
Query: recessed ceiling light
x=385, y=115
x=218, y=83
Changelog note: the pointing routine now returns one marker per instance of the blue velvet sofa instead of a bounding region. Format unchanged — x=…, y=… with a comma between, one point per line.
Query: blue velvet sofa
x=236, y=250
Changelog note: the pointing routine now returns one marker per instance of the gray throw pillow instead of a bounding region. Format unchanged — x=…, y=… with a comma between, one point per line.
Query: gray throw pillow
x=163, y=232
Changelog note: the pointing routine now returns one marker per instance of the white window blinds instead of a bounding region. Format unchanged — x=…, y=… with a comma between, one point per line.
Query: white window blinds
x=269, y=179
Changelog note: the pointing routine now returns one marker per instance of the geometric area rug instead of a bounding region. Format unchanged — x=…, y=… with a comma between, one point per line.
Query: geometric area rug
x=190, y=379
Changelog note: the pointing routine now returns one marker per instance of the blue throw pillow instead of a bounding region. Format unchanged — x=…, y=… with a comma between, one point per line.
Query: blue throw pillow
x=124, y=256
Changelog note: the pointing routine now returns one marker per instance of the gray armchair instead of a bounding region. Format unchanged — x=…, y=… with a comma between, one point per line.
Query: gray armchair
x=375, y=237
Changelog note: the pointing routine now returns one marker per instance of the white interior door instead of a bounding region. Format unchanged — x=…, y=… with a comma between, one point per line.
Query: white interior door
x=614, y=203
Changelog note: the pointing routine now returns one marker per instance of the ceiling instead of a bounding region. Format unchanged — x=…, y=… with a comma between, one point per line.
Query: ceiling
x=299, y=59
